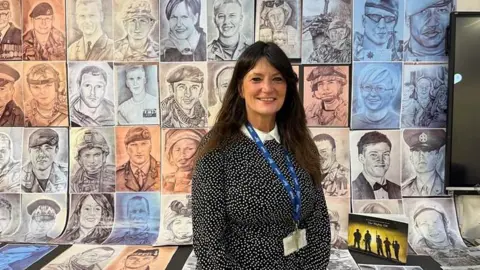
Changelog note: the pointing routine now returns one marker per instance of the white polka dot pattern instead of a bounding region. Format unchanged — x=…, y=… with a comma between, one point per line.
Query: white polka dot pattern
x=241, y=212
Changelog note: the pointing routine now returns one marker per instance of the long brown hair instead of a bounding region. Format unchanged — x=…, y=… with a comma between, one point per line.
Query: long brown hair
x=291, y=121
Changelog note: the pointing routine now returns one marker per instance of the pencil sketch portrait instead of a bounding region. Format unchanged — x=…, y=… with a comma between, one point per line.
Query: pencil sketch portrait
x=10, y=208
x=44, y=30
x=185, y=96
x=10, y=23
x=91, y=92
x=341, y=260
x=423, y=163
x=182, y=33
x=137, y=25
x=432, y=224
x=11, y=94
x=90, y=30
x=376, y=95
x=333, y=147
x=425, y=96
x=218, y=81
x=11, y=145
x=45, y=159
x=46, y=97
x=91, y=219
x=338, y=210
x=375, y=159
x=278, y=21
x=327, y=31
x=383, y=207
x=139, y=257
x=84, y=257
x=378, y=27
x=233, y=23
x=177, y=220
x=137, y=94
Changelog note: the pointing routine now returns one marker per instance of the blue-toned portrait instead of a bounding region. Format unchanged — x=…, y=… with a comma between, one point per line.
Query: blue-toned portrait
x=17, y=256
x=376, y=95
x=378, y=30
x=424, y=96
x=137, y=219
x=426, y=23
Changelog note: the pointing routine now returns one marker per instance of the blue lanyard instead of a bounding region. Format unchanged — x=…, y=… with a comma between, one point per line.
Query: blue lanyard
x=293, y=194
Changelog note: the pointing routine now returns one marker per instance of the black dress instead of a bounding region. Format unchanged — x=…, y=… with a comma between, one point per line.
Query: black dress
x=241, y=211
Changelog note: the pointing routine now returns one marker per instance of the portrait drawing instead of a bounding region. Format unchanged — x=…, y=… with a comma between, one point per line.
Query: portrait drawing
x=10, y=159
x=218, y=81
x=11, y=35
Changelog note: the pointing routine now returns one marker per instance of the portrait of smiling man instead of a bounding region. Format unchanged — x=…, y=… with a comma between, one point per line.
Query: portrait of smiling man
x=376, y=96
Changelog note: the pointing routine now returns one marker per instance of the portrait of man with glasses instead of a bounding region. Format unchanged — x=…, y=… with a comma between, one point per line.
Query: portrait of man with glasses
x=378, y=30
x=376, y=96
x=10, y=34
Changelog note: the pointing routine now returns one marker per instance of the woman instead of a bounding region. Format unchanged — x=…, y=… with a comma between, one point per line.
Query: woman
x=243, y=217
x=91, y=221
x=179, y=223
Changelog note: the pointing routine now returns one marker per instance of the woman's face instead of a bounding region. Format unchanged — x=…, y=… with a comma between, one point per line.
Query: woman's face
x=90, y=213
x=182, y=228
x=264, y=90
x=182, y=153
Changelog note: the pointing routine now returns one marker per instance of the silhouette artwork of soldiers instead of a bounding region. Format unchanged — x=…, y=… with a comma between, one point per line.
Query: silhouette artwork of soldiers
x=387, y=244
x=379, y=246
x=368, y=240
x=396, y=248
x=357, y=236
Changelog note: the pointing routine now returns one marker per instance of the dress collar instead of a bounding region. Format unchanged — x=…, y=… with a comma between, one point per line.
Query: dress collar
x=272, y=135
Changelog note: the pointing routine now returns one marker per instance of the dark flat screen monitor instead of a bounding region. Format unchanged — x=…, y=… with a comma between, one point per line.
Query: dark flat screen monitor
x=463, y=129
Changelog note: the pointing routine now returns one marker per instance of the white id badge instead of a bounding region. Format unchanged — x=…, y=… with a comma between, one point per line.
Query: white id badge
x=294, y=242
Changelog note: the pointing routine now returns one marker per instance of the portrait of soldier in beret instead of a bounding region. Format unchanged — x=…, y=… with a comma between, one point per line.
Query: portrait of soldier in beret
x=42, y=173
x=43, y=213
x=44, y=41
x=183, y=107
x=46, y=100
x=141, y=172
x=425, y=152
x=10, y=34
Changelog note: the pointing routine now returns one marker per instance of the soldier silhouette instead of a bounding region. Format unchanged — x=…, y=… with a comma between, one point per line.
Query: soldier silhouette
x=379, y=246
x=387, y=244
x=368, y=240
x=357, y=236
x=396, y=248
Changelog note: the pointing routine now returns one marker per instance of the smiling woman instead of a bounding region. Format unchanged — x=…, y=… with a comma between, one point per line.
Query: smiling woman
x=244, y=204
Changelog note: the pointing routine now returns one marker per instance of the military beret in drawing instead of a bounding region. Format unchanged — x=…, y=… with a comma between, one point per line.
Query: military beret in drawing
x=137, y=134
x=43, y=202
x=42, y=9
x=424, y=139
x=185, y=73
x=418, y=6
x=387, y=5
x=145, y=252
x=43, y=136
x=4, y=5
x=7, y=74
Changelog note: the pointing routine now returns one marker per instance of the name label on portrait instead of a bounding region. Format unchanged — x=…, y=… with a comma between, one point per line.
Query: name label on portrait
x=150, y=113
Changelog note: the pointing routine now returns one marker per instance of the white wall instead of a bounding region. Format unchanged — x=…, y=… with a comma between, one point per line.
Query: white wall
x=468, y=5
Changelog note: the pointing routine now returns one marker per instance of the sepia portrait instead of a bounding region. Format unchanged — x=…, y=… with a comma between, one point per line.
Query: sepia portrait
x=138, y=257
x=375, y=165
x=179, y=149
x=218, y=80
x=91, y=219
x=44, y=30
x=338, y=210
x=90, y=30
x=378, y=30
x=426, y=25
x=423, y=162
x=21, y=256
x=11, y=94
x=333, y=147
x=11, y=144
x=231, y=28
x=376, y=95
x=176, y=226
x=11, y=35
x=468, y=218
x=45, y=97
x=43, y=217
x=432, y=224
x=341, y=260
x=137, y=94
x=136, y=30
x=137, y=218
x=138, y=158
x=425, y=96
x=93, y=257
x=44, y=160
x=381, y=207
x=278, y=21
x=182, y=32
x=326, y=95
x=184, y=96
x=10, y=210
x=327, y=32
x=92, y=160
x=91, y=93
